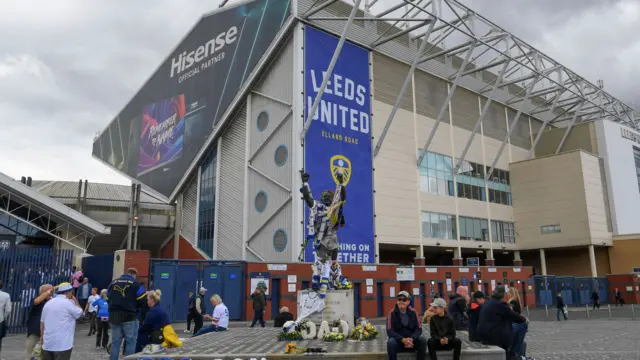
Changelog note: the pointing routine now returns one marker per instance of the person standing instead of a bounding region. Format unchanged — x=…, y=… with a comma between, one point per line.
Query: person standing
x=58, y=324
x=200, y=309
x=91, y=309
x=102, y=320
x=560, y=307
x=443, y=332
x=83, y=293
x=77, y=277
x=125, y=295
x=35, y=315
x=191, y=308
x=619, y=299
x=5, y=310
x=405, y=330
x=595, y=297
x=259, y=306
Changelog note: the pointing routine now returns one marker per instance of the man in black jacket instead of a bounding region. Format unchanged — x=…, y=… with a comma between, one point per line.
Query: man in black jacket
x=458, y=308
x=405, y=330
x=125, y=296
x=496, y=319
x=443, y=332
x=473, y=313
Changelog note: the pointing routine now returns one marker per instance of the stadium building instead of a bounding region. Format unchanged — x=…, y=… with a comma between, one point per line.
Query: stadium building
x=460, y=143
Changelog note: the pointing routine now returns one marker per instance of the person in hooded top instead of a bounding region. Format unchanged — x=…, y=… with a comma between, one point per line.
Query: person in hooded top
x=473, y=314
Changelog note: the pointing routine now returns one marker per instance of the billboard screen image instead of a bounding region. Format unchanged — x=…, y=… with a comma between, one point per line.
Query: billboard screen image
x=162, y=133
x=157, y=135
x=339, y=139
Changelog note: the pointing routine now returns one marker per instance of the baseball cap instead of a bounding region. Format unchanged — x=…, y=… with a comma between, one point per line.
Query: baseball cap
x=203, y=289
x=439, y=302
x=479, y=295
x=404, y=293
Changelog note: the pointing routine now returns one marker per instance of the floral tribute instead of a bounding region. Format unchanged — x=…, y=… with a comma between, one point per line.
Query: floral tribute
x=364, y=331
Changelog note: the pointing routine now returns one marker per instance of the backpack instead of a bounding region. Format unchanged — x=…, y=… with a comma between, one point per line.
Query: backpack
x=192, y=303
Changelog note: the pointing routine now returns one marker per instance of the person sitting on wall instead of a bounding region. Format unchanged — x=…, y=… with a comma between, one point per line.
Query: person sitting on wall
x=155, y=320
x=405, y=330
x=220, y=319
x=427, y=315
x=283, y=317
x=443, y=332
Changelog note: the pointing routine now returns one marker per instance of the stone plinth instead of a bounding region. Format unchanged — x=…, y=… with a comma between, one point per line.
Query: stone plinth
x=338, y=306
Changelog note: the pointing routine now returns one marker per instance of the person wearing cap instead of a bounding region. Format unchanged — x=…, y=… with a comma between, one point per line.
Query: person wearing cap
x=473, y=314
x=443, y=332
x=125, y=296
x=200, y=310
x=405, y=330
x=58, y=324
x=259, y=304
x=495, y=324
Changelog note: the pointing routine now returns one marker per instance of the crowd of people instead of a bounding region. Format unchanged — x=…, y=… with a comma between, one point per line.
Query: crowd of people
x=491, y=320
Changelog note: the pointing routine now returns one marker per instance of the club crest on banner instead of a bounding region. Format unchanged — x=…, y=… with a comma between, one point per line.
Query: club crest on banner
x=5, y=245
x=341, y=165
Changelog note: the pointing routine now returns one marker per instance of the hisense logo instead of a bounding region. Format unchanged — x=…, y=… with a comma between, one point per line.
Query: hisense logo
x=188, y=59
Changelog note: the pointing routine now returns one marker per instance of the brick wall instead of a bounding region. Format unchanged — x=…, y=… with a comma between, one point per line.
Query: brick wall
x=185, y=251
x=138, y=259
x=628, y=284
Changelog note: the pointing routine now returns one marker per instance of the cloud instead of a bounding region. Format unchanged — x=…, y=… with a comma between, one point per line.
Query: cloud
x=67, y=69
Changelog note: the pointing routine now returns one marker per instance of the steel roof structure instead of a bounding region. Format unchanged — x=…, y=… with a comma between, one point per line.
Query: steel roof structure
x=449, y=40
x=25, y=205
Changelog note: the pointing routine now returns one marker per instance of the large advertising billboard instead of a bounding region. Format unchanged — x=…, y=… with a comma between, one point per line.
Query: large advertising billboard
x=157, y=135
x=339, y=139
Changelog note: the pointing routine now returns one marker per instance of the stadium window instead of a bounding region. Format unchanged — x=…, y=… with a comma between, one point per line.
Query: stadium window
x=503, y=232
x=438, y=226
x=550, y=229
x=207, y=202
x=436, y=174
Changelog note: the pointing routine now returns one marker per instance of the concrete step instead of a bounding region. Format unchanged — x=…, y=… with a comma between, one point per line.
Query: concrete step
x=258, y=344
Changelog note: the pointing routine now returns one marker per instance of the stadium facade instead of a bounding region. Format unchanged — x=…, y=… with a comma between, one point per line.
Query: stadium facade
x=459, y=142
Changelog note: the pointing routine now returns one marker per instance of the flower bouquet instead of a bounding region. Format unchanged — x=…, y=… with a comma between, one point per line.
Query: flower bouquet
x=364, y=331
x=294, y=349
x=333, y=336
x=290, y=336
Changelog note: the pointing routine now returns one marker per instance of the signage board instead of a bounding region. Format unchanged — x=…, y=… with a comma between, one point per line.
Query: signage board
x=339, y=139
x=473, y=261
x=405, y=274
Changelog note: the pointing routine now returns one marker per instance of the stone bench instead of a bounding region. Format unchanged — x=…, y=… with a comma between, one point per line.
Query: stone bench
x=258, y=344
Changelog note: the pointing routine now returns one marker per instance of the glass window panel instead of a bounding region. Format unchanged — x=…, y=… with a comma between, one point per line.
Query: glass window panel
x=431, y=160
x=432, y=172
x=483, y=195
x=426, y=225
x=467, y=191
x=442, y=187
x=463, y=227
x=433, y=185
x=424, y=183
x=451, y=225
x=470, y=234
x=448, y=164
x=477, y=230
x=485, y=230
x=494, y=233
x=439, y=162
x=435, y=225
x=444, y=226
x=475, y=192
x=450, y=188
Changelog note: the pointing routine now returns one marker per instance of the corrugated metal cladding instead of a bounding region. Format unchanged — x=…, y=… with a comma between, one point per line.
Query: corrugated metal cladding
x=231, y=191
x=189, y=210
x=403, y=50
x=270, y=153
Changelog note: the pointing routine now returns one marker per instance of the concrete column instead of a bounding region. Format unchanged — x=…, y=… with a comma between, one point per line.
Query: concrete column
x=490, y=260
x=419, y=259
x=177, y=227
x=543, y=262
x=457, y=257
x=592, y=261
x=517, y=261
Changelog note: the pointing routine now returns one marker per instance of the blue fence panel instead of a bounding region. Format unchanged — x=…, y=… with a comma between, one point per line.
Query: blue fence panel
x=164, y=279
x=23, y=271
x=99, y=270
x=602, y=284
x=566, y=285
x=186, y=282
x=545, y=290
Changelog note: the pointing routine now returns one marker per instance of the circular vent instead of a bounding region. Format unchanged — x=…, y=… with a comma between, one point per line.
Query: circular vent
x=263, y=121
x=280, y=240
x=261, y=201
x=281, y=155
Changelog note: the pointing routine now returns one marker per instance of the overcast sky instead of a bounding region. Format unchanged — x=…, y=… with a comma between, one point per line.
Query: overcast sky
x=67, y=67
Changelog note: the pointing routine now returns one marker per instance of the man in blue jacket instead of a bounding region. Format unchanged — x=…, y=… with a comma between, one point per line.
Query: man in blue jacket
x=404, y=330
x=125, y=295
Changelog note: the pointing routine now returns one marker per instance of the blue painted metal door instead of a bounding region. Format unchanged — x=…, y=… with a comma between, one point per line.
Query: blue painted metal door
x=164, y=279
x=544, y=287
x=275, y=297
x=565, y=285
x=233, y=291
x=602, y=284
x=356, y=300
x=212, y=280
x=584, y=288
x=186, y=281
x=99, y=270
x=379, y=299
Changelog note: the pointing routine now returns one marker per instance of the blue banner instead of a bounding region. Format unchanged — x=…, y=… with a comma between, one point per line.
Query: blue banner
x=339, y=138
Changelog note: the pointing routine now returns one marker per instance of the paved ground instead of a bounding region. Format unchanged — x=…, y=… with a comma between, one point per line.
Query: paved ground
x=575, y=339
